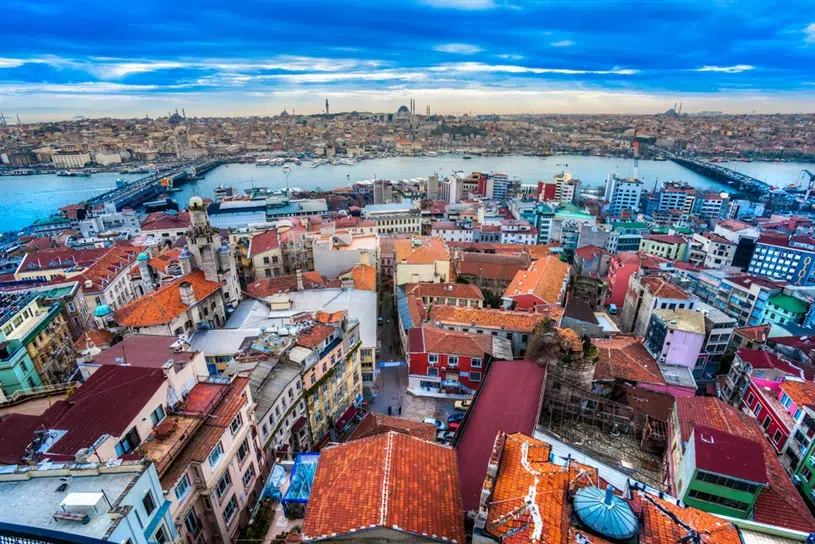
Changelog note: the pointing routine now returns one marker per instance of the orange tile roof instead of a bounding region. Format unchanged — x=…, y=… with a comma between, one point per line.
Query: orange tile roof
x=539, y=251
x=429, y=251
x=390, y=480
x=453, y=290
x=107, y=268
x=659, y=287
x=544, y=279
x=97, y=337
x=374, y=423
x=757, y=333
x=164, y=220
x=801, y=393
x=485, y=317
x=329, y=317
x=364, y=277
x=60, y=257
x=162, y=261
x=625, y=358
x=315, y=336
x=267, y=287
x=659, y=528
x=778, y=504
x=164, y=304
x=456, y=343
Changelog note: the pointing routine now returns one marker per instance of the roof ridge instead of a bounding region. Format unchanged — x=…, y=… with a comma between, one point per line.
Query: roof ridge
x=383, y=507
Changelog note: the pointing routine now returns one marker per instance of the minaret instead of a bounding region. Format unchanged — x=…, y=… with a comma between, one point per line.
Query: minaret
x=326, y=106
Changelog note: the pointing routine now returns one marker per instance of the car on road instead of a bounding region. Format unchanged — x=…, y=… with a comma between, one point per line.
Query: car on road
x=379, y=320
x=440, y=425
x=445, y=437
x=463, y=405
x=453, y=427
x=455, y=418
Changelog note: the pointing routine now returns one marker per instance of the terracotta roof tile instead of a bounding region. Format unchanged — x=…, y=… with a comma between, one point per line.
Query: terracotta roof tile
x=757, y=333
x=801, y=393
x=453, y=290
x=166, y=221
x=485, y=317
x=544, y=278
x=625, y=358
x=665, y=238
x=164, y=304
x=364, y=277
x=374, y=424
x=489, y=266
x=315, y=336
x=267, y=287
x=62, y=257
x=456, y=343
x=429, y=250
x=659, y=528
x=162, y=261
x=660, y=287
x=96, y=337
x=263, y=242
x=390, y=480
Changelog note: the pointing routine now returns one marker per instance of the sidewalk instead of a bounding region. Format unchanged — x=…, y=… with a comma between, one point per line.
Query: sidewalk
x=422, y=392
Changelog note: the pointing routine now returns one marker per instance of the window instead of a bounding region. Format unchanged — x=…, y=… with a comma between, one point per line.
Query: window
x=236, y=424
x=128, y=443
x=160, y=535
x=192, y=522
x=182, y=487
x=243, y=451
x=157, y=415
x=249, y=475
x=215, y=455
x=729, y=503
x=476, y=362
x=452, y=360
x=757, y=409
x=433, y=358
x=785, y=400
x=777, y=437
x=148, y=503
x=751, y=398
x=223, y=485
x=229, y=511
x=766, y=422
x=432, y=371
x=475, y=376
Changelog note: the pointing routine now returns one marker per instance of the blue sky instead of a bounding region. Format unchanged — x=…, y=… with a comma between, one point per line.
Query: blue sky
x=93, y=58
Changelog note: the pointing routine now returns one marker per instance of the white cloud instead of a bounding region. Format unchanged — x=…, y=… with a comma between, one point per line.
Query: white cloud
x=514, y=69
x=6, y=62
x=461, y=4
x=122, y=69
x=809, y=31
x=727, y=69
x=457, y=48
x=510, y=57
x=563, y=43
x=349, y=76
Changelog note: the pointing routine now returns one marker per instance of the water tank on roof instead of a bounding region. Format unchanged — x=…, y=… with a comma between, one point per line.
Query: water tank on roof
x=102, y=310
x=605, y=513
x=142, y=256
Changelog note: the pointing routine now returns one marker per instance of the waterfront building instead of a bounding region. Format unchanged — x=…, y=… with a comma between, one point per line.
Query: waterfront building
x=282, y=207
x=237, y=214
x=124, y=222
x=71, y=160
x=622, y=194
x=711, y=205
x=676, y=196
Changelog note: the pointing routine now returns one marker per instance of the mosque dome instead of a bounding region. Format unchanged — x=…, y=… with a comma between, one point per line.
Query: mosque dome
x=403, y=109
x=196, y=202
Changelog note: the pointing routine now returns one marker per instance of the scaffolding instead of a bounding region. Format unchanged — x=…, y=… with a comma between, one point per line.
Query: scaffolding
x=302, y=477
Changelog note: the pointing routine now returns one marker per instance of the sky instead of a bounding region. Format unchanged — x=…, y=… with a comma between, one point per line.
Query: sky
x=61, y=59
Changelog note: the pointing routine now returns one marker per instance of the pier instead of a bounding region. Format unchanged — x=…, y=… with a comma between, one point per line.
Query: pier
x=741, y=182
x=139, y=191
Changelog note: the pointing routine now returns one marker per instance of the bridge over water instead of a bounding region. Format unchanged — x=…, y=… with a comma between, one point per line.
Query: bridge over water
x=741, y=182
x=141, y=190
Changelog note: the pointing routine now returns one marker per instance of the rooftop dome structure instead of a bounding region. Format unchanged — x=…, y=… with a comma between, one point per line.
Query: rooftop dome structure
x=102, y=310
x=403, y=109
x=142, y=257
x=605, y=513
x=196, y=202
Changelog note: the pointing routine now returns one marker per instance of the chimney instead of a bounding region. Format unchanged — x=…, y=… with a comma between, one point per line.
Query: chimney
x=187, y=294
x=300, y=279
x=364, y=258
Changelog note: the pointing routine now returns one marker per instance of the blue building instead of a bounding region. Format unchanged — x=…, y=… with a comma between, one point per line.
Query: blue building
x=787, y=259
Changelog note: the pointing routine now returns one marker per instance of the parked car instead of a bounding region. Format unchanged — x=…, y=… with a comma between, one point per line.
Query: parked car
x=463, y=405
x=453, y=427
x=445, y=437
x=440, y=425
x=455, y=418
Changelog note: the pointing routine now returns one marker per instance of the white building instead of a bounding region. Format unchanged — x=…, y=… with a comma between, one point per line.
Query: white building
x=71, y=160
x=518, y=232
x=106, y=159
x=339, y=252
x=395, y=218
x=110, y=221
x=622, y=194
x=711, y=250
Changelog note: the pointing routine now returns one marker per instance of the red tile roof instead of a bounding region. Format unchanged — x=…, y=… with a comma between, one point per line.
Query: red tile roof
x=162, y=261
x=625, y=358
x=508, y=400
x=455, y=343
x=391, y=480
x=665, y=238
x=144, y=350
x=765, y=359
x=101, y=273
x=364, y=277
x=544, y=279
x=757, y=333
x=314, y=337
x=420, y=250
x=60, y=258
x=107, y=403
x=801, y=393
x=489, y=266
x=452, y=290
x=95, y=337
x=662, y=288
x=485, y=317
x=779, y=504
x=164, y=304
x=659, y=528
x=263, y=242
x=374, y=424
x=267, y=287
x=166, y=221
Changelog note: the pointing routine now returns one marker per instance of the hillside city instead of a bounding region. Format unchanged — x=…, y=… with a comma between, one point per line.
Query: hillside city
x=452, y=358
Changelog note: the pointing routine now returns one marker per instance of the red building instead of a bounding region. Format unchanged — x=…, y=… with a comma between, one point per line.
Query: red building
x=482, y=183
x=781, y=408
x=451, y=361
x=546, y=191
x=620, y=269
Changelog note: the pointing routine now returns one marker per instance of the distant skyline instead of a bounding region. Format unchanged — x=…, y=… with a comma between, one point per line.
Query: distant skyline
x=63, y=59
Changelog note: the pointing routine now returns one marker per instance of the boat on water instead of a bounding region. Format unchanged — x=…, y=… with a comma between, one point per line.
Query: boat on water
x=466, y=157
x=120, y=183
x=73, y=174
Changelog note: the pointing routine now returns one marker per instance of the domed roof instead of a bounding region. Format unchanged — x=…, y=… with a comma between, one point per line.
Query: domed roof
x=196, y=202
x=605, y=513
x=403, y=109
x=102, y=310
x=142, y=257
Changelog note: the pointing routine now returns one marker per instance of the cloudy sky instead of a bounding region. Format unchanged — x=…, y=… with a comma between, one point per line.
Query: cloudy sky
x=60, y=59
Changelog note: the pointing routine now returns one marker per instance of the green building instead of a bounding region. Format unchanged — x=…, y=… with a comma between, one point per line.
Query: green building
x=783, y=309
x=17, y=371
x=626, y=236
x=721, y=473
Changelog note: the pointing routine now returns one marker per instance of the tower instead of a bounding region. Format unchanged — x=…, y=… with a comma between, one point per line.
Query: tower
x=206, y=251
x=144, y=270
x=326, y=106
x=428, y=110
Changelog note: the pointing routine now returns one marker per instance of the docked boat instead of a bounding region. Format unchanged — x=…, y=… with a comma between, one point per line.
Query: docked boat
x=466, y=157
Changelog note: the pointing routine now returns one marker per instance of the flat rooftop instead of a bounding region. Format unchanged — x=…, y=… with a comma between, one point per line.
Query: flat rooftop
x=682, y=320
x=37, y=499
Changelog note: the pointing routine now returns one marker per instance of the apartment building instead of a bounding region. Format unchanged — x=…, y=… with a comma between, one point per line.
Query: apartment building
x=421, y=259
x=518, y=232
x=785, y=259
x=265, y=255
x=647, y=294
x=710, y=250
x=400, y=218
x=671, y=247
x=166, y=225
x=742, y=296
x=622, y=194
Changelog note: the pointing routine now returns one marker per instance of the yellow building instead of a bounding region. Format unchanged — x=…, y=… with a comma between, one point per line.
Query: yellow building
x=421, y=259
x=666, y=246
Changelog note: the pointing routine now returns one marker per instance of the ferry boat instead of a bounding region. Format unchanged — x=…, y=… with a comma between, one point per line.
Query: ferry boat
x=73, y=174
x=466, y=157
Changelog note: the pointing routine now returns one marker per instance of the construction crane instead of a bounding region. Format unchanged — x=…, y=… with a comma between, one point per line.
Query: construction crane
x=811, y=183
